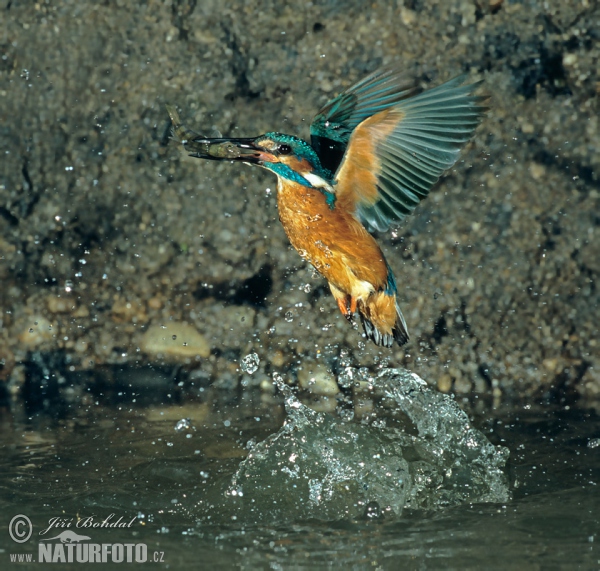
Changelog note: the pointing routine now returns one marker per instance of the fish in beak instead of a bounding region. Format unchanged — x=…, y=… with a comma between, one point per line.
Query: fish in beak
x=243, y=150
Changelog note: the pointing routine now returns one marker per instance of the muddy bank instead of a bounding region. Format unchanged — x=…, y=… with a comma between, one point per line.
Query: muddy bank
x=108, y=234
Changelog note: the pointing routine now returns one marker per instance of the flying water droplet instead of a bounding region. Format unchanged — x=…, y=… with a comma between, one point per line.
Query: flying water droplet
x=289, y=316
x=183, y=424
x=249, y=364
x=324, y=248
x=346, y=377
x=346, y=414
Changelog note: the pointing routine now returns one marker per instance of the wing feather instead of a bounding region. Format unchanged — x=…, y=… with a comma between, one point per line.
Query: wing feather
x=406, y=148
x=333, y=125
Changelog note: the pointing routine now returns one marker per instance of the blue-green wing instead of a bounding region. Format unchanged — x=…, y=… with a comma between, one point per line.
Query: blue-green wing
x=406, y=149
x=333, y=125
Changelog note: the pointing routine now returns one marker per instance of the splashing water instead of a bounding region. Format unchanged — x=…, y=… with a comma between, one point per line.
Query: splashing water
x=183, y=424
x=249, y=364
x=320, y=466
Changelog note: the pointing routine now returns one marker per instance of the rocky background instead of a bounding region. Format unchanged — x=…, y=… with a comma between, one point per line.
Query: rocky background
x=116, y=249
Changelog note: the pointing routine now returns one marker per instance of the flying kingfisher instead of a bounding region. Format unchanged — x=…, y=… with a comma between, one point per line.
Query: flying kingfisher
x=375, y=152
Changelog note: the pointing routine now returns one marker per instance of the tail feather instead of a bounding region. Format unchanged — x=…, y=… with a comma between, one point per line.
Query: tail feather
x=397, y=332
x=400, y=329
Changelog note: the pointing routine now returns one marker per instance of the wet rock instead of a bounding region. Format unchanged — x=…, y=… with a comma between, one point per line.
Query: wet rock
x=267, y=386
x=35, y=331
x=128, y=311
x=57, y=304
x=81, y=311
x=317, y=379
x=444, y=383
x=176, y=340
x=321, y=403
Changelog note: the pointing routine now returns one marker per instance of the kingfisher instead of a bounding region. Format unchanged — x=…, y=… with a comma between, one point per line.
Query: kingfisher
x=375, y=152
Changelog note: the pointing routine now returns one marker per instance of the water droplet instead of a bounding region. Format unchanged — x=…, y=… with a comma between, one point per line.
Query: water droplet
x=346, y=377
x=278, y=380
x=289, y=316
x=324, y=248
x=183, y=424
x=346, y=414
x=174, y=337
x=305, y=288
x=373, y=511
x=249, y=364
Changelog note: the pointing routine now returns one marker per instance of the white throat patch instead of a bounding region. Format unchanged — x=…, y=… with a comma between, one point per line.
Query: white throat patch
x=318, y=182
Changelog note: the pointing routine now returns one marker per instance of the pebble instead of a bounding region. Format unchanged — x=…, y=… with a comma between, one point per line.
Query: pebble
x=176, y=340
x=36, y=331
x=321, y=404
x=155, y=303
x=318, y=380
x=444, y=383
x=57, y=304
x=81, y=311
x=267, y=386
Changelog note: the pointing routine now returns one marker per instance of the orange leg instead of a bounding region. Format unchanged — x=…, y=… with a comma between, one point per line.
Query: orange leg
x=352, y=305
x=347, y=306
x=343, y=305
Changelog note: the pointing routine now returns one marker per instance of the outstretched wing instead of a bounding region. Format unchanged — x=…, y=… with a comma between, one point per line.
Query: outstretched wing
x=332, y=127
x=395, y=156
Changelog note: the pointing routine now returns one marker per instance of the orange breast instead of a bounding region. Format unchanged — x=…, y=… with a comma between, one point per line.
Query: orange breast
x=333, y=241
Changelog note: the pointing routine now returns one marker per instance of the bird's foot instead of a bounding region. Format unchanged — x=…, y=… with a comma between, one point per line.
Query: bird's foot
x=347, y=306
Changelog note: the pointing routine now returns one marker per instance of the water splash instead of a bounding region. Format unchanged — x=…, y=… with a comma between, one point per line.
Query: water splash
x=427, y=456
x=183, y=424
x=249, y=364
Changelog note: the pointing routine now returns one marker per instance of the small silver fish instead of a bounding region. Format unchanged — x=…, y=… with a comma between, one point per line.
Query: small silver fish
x=208, y=148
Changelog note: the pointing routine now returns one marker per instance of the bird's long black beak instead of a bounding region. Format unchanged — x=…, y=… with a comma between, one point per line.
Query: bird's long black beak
x=244, y=150
x=226, y=150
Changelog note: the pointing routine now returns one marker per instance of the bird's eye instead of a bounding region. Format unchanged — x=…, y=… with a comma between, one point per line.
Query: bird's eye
x=284, y=149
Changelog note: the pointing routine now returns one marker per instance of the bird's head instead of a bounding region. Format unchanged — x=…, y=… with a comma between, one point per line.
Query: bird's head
x=289, y=157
